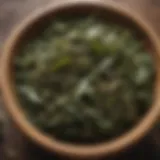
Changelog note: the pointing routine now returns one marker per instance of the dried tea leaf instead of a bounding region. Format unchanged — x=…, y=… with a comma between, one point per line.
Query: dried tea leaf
x=84, y=80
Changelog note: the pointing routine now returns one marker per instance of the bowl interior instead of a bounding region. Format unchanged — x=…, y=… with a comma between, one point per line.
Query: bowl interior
x=38, y=25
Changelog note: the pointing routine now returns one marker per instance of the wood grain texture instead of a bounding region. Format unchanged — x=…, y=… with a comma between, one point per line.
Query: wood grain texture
x=12, y=12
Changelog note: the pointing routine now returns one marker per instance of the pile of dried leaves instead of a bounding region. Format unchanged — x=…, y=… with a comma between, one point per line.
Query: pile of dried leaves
x=83, y=80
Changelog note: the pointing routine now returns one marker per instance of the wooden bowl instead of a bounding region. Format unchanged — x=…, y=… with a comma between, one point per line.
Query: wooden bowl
x=29, y=28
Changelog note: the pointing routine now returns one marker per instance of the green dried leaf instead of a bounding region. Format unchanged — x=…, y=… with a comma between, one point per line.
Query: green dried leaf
x=84, y=80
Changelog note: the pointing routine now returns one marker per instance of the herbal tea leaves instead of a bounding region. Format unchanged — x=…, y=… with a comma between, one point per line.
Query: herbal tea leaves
x=84, y=80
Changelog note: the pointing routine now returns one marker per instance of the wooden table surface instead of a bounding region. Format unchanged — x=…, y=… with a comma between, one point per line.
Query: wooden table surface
x=11, y=13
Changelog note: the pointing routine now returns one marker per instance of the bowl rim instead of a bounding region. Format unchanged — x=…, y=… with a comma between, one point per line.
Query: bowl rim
x=13, y=107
